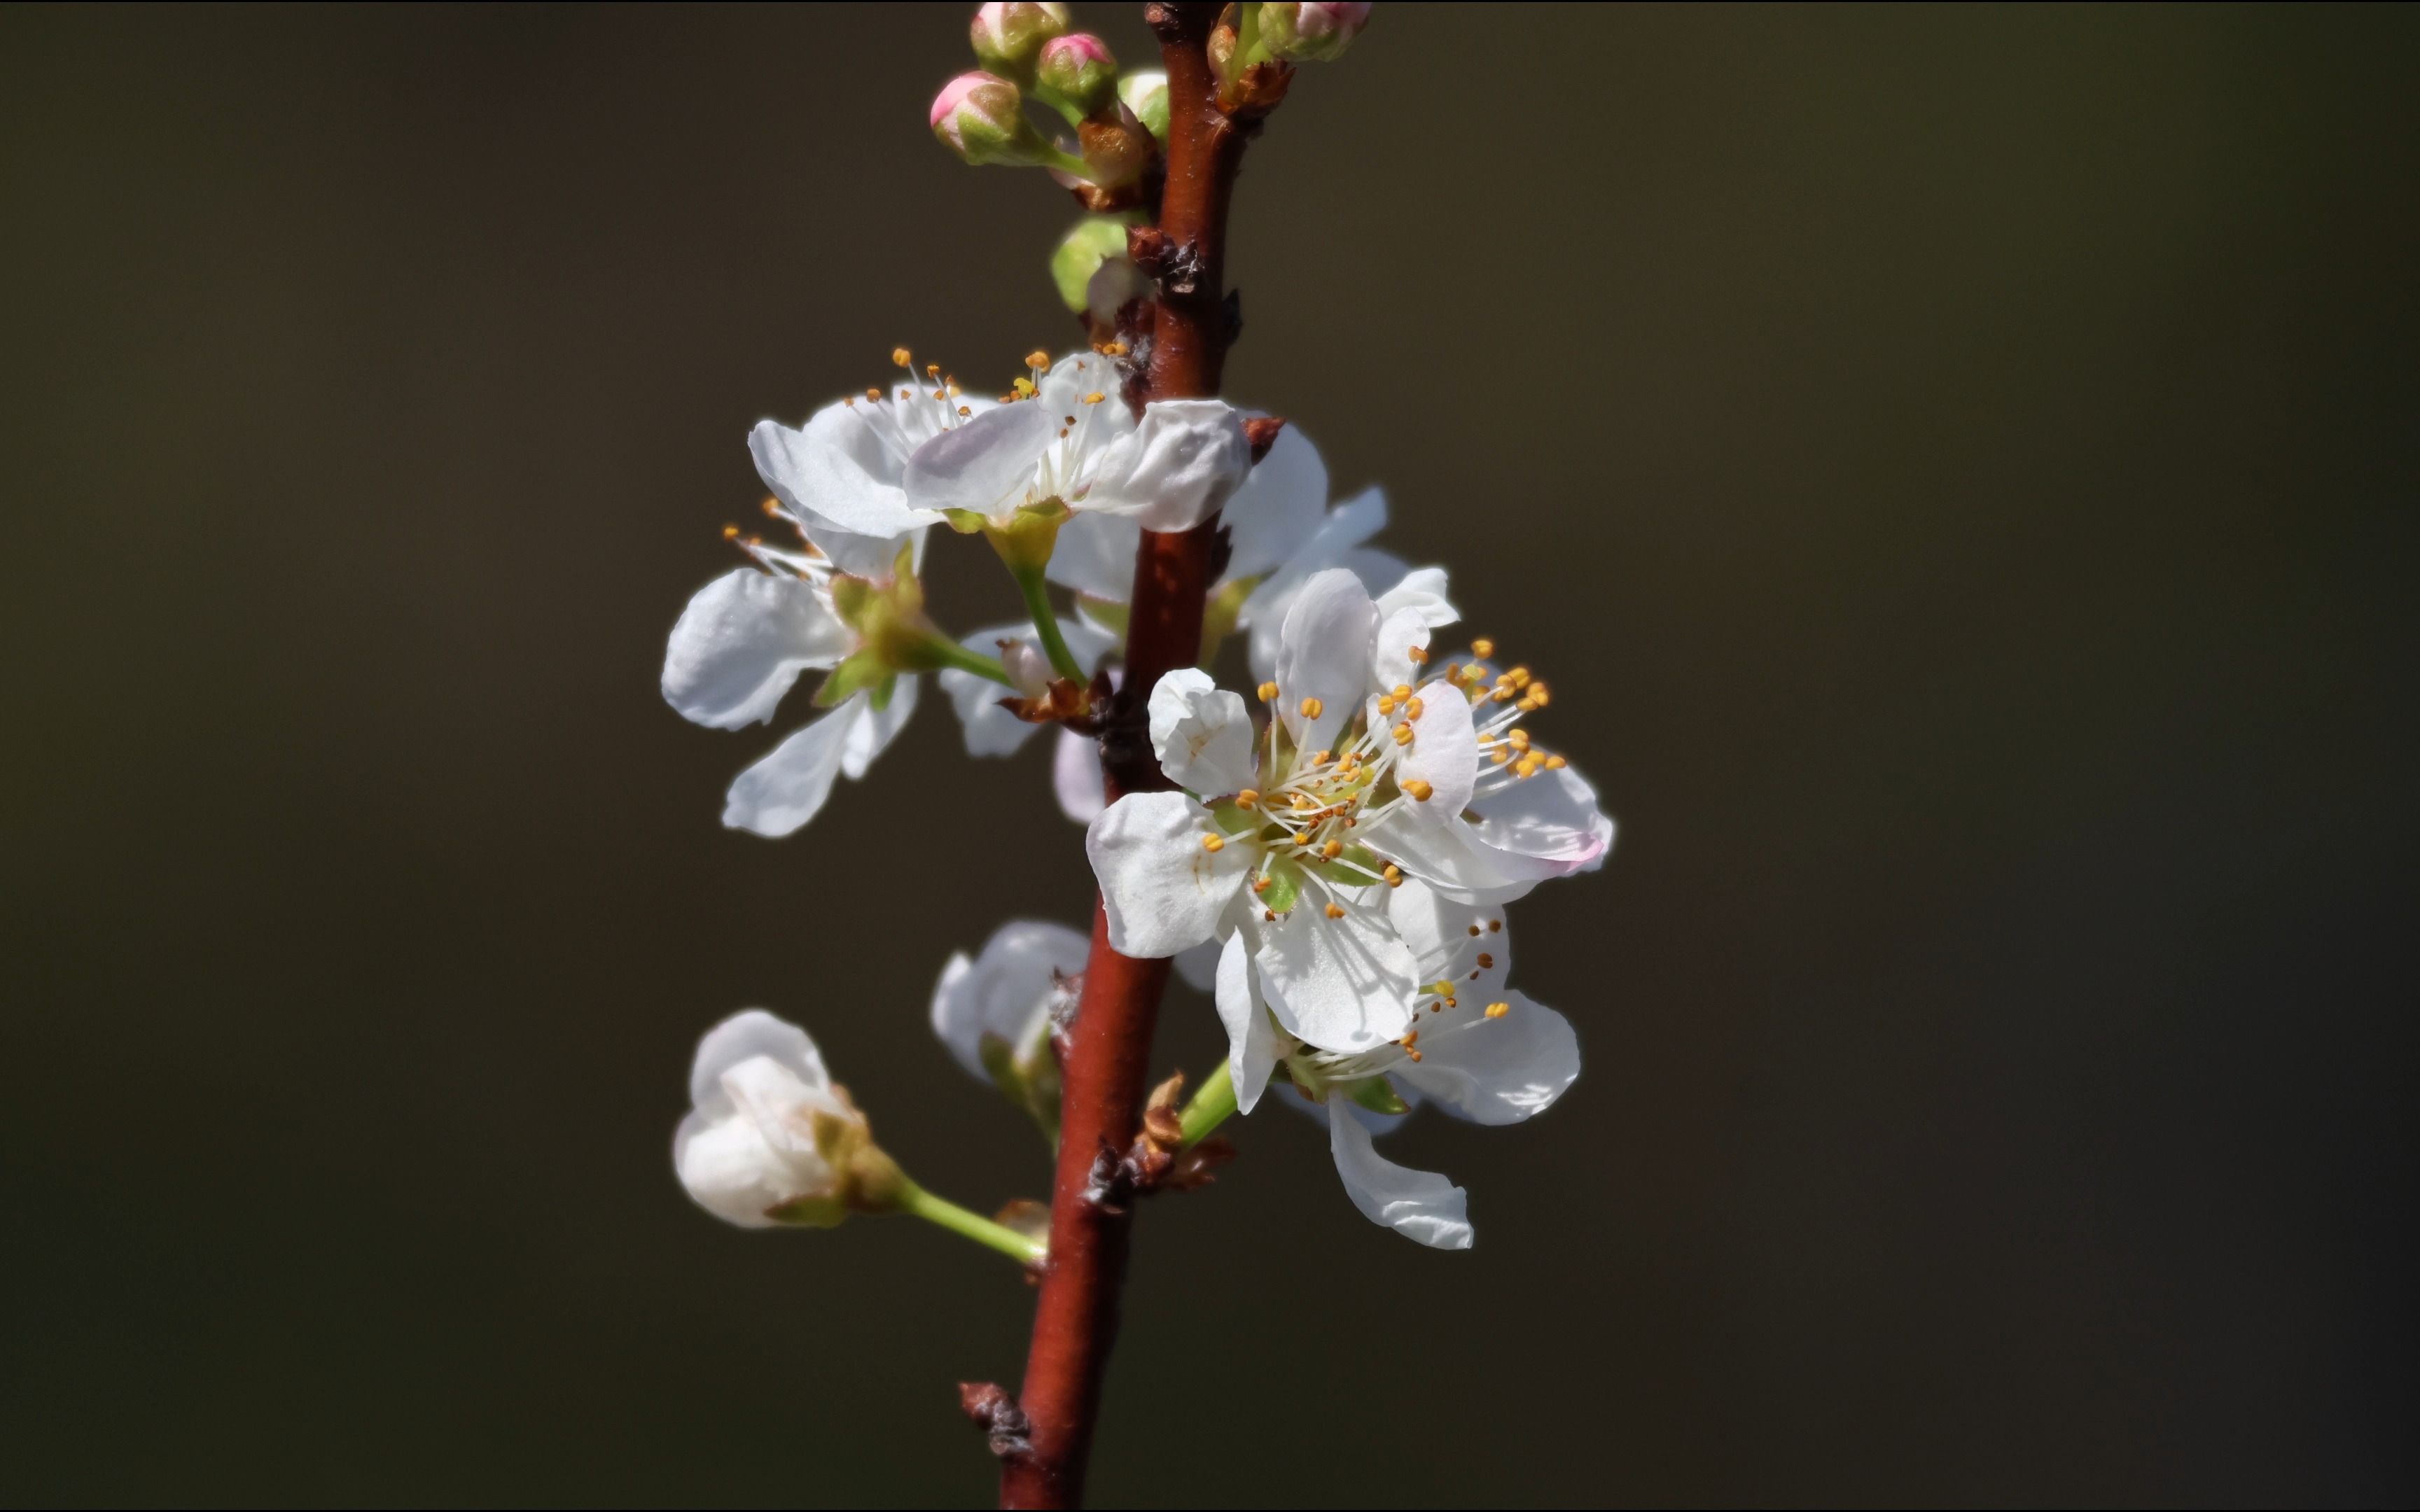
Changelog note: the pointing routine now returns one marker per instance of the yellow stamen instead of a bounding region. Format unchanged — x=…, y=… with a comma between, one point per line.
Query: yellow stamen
x=1332, y=849
x=1037, y=358
x=1418, y=790
x=1482, y=647
x=1415, y=709
x=1246, y=798
x=1403, y=692
x=1556, y=763
x=1496, y=1011
x=1269, y=692
x=1094, y=398
x=1403, y=735
x=1310, y=708
x=1334, y=912
x=1394, y=874
x=1418, y=655
x=1486, y=962
x=900, y=357
x=731, y=532
x=1213, y=842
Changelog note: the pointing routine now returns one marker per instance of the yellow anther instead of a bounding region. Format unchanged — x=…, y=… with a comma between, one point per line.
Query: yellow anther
x=1556, y=763
x=1503, y=754
x=1502, y=695
x=900, y=357
x=1394, y=876
x=1403, y=735
x=1415, y=1055
x=964, y=411
x=1310, y=708
x=731, y=532
x=1094, y=398
x=1482, y=647
x=1486, y=962
x=932, y=370
x=1332, y=849
x=1520, y=676
x=772, y=508
x=1213, y=842
x=1538, y=694
x=1420, y=791
x=1527, y=704
x=875, y=394
x=1496, y=1011
x=1418, y=655
x=1386, y=703
x=1403, y=692
x=1037, y=358
x=1319, y=758
x=1261, y=883
x=1527, y=766
x=1415, y=709
x=1269, y=692
x=1520, y=739
x=1246, y=798
x=1334, y=912
x=1024, y=388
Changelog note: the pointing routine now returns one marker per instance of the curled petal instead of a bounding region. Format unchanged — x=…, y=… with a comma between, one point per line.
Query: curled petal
x=1500, y=1070
x=839, y=470
x=787, y=788
x=1324, y=657
x=1251, y=1039
x=1177, y=467
x=1418, y=1205
x=1201, y=734
x=999, y=992
x=983, y=465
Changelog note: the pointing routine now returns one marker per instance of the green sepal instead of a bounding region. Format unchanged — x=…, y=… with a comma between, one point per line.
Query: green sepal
x=1220, y=613
x=810, y=1212
x=1378, y=1095
x=1031, y=533
x=966, y=521
x=1285, y=885
x=863, y=670
x=1232, y=819
x=882, y=691
x=1356, y=858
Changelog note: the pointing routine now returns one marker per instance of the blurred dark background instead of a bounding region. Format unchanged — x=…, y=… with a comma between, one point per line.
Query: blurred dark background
x=1956, y=466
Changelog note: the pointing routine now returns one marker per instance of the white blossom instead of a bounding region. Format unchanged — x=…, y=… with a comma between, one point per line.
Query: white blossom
x=768, y=1139
x=995, y=1011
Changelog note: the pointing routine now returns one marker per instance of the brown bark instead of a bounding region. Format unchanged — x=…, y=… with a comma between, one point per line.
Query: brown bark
x=1107, y=1048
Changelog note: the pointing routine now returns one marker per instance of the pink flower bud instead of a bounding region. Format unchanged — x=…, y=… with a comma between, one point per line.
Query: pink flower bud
x=1077, y=69
x=981, y=118
x=1310, y=33
x=1008, y=37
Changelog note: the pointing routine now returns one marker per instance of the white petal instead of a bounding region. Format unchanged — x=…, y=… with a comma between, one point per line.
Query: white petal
x=1096, y=555
x=986, y=465
x=1392, y=664
x=1324, y=653
x=1180, y=465
x=1450, y=856
x=784, y=791
x=1162, y=890
x=1277, y=509
x=1421, y=593
x=1201, y=732
x=742, y=641
x=1418, y=1205
x=1343, y=984
x=839, y=469
x=727, y=1169
x=873, y=734
x=1076, y=776
x=1198, y=965
x=1437, y=931
x=1499, y=1070
x=1003, y=990
x=1444, y=753
x=1552, y=818
x=956, y=1015
x=745, y=1035
x=1251, y=1039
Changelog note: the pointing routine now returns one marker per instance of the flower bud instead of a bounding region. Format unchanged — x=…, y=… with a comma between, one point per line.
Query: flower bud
x=1117, y=149
x=1009, y=37
x=981, y=118
x=1145, y=93
x=770, y=1139
x=1096, y=242
x=1076, y=70
x=1310, y=33
x=1028, y=668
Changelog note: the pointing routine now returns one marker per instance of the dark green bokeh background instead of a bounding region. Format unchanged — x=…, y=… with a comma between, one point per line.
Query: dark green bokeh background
x=1957, y=468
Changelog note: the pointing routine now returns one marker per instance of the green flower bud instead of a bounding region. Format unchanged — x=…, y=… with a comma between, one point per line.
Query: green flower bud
x=1145, y=93
x=1009, y=37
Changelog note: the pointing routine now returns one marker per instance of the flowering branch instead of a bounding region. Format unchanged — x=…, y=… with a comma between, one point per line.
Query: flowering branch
x=1109, y=1046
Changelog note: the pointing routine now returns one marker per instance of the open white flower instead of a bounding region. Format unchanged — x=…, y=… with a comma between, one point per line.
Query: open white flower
x=1069, y=442
x=1476, y=1048
x=1280, y=532
x=995, y=1011
x=769, y=1140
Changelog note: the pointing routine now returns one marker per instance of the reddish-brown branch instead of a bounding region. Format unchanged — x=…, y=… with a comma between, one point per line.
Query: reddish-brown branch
x=1107, y=1051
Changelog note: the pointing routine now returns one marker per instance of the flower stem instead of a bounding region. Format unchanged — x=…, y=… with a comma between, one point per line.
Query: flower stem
x=1046, y=625
x=947, y=1214
x=948, y=653
x=1213, y=1104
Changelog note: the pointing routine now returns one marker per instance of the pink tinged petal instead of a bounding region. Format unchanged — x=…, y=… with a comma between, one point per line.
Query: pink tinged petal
x=1551, y=818
x=1251, y=1039
x=1180, y=465
x=984, y=465
x=873, y=734
x=1499, y=1070
x=1076, y=776
x=1323, y=655
x=740, y=643
x=1201, y=734
x=1343, y=984
x=839, y=469
x=1444, y=753
x=783, y=792
x=1447, y=937
x=1161, y=886
x=1277, y=509
x=1418, y=1205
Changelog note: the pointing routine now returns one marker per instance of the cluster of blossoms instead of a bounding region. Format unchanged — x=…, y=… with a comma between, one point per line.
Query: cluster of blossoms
x=1334, y=872
x=1341, y=834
